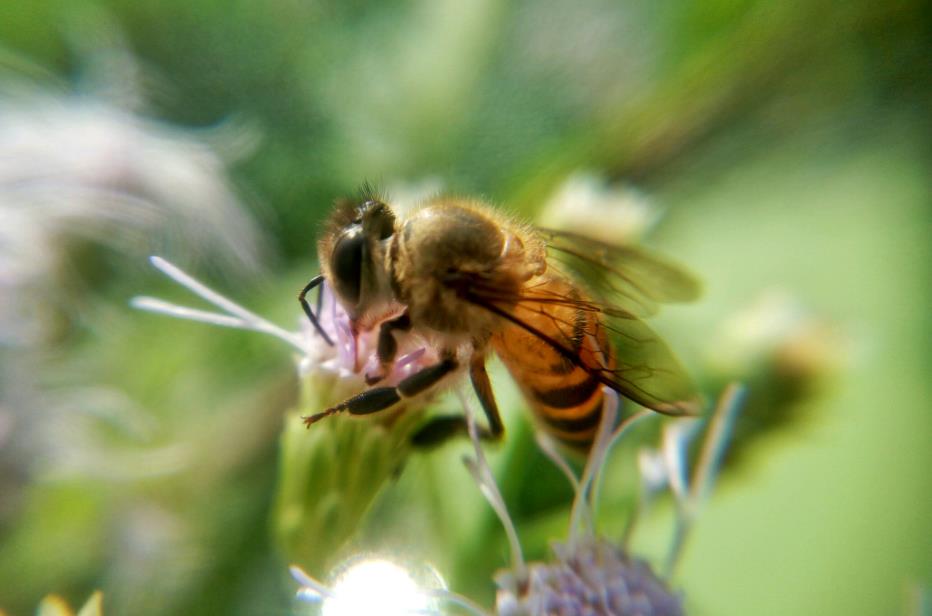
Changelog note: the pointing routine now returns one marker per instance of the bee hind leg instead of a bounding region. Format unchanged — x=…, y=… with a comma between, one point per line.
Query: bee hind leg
x=441, y=429
x=444, y=428
x=380, y=398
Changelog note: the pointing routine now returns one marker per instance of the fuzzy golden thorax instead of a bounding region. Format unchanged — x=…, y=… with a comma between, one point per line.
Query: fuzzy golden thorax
x=450, y=240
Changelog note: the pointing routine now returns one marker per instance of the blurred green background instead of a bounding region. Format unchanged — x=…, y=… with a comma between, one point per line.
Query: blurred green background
x=787, y=145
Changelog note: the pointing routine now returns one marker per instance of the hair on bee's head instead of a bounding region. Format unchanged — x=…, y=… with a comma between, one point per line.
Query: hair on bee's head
x=348, y=248
x=367, y=207
x=368, y=191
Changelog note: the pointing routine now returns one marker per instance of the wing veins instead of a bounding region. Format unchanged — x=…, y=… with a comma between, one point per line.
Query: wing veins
x=625, y=387
x=646, y=279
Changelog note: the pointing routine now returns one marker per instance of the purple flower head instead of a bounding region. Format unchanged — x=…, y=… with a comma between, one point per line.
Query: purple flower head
x=592, y=576
x=589, y=575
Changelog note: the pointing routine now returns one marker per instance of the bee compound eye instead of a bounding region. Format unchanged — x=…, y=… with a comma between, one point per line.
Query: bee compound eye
x=346, y=265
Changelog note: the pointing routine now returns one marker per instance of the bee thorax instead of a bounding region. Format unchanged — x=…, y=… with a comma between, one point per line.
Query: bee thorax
x=443, y=247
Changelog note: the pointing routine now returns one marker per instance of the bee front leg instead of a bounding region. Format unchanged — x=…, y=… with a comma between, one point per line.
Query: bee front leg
x=380, y=398
x=387, y=346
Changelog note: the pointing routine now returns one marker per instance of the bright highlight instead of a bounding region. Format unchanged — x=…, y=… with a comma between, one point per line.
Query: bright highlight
x=376, y=587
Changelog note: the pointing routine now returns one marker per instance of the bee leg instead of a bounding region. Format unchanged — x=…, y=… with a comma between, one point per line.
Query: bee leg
x=444, y=428
x=441, y=429
x=387, y=346
x=302, y=297
x=380, y=398
x=483, y=387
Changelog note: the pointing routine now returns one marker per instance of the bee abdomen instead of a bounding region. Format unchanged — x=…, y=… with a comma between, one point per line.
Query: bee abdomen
x=569, y=395
x=570, y=410
x=566, y=395
x=580, y=430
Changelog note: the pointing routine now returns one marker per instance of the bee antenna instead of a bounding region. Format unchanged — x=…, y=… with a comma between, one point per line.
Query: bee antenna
x=315, y=281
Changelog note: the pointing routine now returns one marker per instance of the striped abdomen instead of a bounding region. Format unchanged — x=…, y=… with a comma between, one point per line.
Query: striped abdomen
x=566, y=397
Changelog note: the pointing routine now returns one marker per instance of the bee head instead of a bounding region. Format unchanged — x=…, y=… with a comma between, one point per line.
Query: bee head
x=351, y=252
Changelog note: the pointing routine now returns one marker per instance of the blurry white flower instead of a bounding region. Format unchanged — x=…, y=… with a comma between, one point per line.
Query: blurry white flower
x=72, y=169
x=405, y=196
x=777, y=331
x=78, y=168
x=587, y=204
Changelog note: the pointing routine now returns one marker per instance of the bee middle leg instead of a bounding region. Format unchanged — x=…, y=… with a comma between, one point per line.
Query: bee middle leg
x=441, y=429
x=380, y=398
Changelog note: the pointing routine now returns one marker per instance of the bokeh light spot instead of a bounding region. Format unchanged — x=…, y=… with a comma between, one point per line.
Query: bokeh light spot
x=375, y=586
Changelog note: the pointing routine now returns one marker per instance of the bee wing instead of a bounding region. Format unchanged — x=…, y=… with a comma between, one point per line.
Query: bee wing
x=627, y=276
x=645, y=371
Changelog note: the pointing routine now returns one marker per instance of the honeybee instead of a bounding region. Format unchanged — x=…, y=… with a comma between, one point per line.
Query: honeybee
x=562, y=311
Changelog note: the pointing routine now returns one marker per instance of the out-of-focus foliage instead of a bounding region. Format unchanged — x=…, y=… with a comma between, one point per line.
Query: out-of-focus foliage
x=785, y=144
x=53, y=605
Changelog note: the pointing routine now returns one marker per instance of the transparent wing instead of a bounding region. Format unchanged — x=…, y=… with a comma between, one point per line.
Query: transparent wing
x=644, y=370
x=647, y=370
x=628, y=277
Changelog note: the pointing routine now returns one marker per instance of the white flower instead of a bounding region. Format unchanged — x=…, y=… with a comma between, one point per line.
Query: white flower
x=777, y=331
x=587, y=204
x=79, y=168
x=348, y=359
